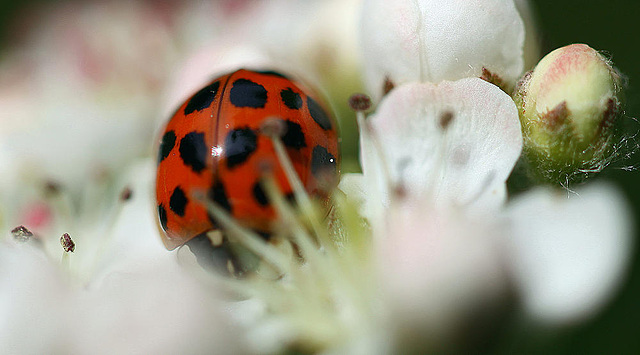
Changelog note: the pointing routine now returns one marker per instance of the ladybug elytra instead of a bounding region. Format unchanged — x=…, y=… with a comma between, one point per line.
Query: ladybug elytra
x=214, y=143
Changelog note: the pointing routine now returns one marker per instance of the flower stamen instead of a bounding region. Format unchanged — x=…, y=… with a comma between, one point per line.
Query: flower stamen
x=246, y=237
x=299, y=192
x=21, y=234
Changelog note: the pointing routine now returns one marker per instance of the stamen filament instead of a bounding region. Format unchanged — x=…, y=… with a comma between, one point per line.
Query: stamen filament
x=303, y=199
x=247, y=238
x=367, y=133
x=106, y=236
x=300, y=235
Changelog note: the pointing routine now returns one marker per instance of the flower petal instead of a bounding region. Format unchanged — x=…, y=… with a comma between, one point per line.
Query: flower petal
x=569, y=253
x=438, y=268
x=87, y=80
x=429, y=40
x=532, y=41
x=155, y=309
x=455, y=142
x=34, y=300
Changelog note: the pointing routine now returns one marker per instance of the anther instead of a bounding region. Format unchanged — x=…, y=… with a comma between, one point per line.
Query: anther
x=21, y=233
x=360, y=102
x=273, y=127
x=67, y=244
x=265, y=167
x=492, y=78
x=388, y=85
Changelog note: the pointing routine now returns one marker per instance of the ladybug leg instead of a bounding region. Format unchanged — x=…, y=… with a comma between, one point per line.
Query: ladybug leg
x=213, y=253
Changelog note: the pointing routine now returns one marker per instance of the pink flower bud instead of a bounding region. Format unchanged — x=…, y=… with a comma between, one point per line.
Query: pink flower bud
x=568, y=107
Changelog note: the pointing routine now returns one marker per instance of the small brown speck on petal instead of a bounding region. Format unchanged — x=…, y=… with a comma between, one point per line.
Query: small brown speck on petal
x=126, y=194
x=445, y=119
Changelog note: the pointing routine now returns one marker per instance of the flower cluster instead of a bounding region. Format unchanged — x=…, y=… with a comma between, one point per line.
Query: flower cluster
x=425, y=249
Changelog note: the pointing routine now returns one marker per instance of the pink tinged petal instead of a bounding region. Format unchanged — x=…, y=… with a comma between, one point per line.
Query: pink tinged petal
x=569, y=254
x=430, y=40
x=455, y=143
x=37, y=215
x=438, y=267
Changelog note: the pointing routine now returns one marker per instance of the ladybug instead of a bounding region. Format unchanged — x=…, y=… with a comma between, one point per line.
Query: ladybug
x=214, y=143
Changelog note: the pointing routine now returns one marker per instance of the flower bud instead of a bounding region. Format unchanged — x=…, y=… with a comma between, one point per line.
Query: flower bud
x=568, y=106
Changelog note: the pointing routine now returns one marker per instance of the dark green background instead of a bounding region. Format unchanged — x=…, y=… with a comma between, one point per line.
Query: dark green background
x=612, y=26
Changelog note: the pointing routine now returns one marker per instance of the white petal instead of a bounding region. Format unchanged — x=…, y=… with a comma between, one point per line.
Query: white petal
x=464, y=163
x=368, y=199
x=431, y=40
x=87, y=81
x=315, y=38
x=155, y=309
x=34, y=299
x=219, y=58
x=437, y=267
x=119, y=293
x=569, y=254
x=532, y=51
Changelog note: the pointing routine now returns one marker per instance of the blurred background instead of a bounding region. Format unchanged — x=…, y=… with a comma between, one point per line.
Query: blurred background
x=610, y=26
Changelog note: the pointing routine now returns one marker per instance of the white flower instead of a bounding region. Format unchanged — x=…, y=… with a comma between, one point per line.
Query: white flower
x=569, y=254
x=120, y=291
x=437, y=269
x=435, y=159
x=455, y=143
x=316, y=39
x=195, y=71
x=431, y=40
x=81, y=89
x=442, y=242
x=532, y=42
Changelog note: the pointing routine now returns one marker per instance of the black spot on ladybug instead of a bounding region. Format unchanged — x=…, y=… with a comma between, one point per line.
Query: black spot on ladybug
x=239, y=145
x=318, y=114
x=271, y=72
x=259, y=194
x=293, y=137
x=246, y=93
x=166, y=145
x=162, y=214
x=291, y=99
x=178, y=201
x=193, y=151
x=219, y=195
x=322, y=162
x=203, y=98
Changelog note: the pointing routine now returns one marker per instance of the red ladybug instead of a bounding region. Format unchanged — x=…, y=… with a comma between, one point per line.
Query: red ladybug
x=213, y=143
